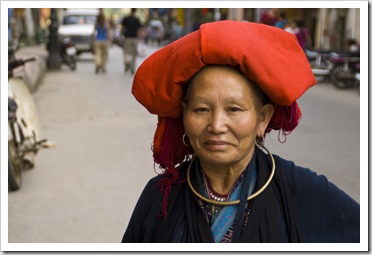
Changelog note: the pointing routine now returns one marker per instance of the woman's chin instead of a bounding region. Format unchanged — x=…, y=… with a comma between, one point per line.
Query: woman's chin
x=217, y=158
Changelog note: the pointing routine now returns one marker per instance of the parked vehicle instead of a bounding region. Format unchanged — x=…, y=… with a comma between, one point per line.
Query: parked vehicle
x=320, y=63
x=24, y=138
x=68, y=53
x=346, y=70
x=78, y=25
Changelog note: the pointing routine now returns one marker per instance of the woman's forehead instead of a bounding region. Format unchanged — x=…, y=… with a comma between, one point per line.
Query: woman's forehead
x=224, y=81
x=213, y=78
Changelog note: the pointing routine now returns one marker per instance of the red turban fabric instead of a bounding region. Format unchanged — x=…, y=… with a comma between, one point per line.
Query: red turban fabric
x=267, y=56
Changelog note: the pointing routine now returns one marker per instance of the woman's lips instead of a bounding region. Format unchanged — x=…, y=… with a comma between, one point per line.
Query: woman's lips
x=209, y=142
x=216, y=145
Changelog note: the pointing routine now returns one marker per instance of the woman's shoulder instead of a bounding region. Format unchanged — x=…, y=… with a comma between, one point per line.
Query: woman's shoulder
x=304, y=182
x=296, y=173
x=151, y=192
x=150, y=195
x=326, y=213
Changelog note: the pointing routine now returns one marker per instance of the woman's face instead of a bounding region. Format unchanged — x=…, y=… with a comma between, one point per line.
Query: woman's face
x=223, y=115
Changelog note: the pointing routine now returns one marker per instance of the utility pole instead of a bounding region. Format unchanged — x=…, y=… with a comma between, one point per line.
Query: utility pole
x=54, y=60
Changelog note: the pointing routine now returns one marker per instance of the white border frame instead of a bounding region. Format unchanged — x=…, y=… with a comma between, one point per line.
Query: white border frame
x=364, y=113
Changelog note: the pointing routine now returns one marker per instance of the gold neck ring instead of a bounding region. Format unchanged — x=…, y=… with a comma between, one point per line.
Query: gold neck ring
x=234, y=202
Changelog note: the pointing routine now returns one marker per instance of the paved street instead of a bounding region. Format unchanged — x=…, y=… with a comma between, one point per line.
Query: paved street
x=84, y=189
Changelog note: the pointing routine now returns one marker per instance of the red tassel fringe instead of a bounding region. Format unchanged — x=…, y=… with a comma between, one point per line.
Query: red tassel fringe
x=169, y=151
x=285, y=119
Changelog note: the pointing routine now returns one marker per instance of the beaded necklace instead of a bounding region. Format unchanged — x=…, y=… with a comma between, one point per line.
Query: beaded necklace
x=212, y=194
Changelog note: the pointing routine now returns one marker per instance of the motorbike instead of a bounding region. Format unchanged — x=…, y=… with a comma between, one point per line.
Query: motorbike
x=23, y=124
x=320, y=63
x=68, y=53
x=346, y=70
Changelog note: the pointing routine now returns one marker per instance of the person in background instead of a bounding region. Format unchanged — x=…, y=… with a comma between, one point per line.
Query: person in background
x=303, y=35
x=130, y=26
x=282, y=20
x=155, y=29
x=270, y=17
x=177, y=30
x=290, y=26
x=102, y=40
x=215, y=104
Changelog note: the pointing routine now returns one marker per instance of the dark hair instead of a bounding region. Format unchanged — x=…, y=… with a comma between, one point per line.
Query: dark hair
x=300, y=23
x=101, y=20
x=283, y=15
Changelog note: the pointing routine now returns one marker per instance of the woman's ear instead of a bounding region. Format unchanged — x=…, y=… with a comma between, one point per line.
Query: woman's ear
x=266, y=113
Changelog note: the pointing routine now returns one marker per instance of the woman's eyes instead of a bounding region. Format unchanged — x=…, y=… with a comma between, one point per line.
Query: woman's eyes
x=206, y=109
x=234, y=109
x=201, y=110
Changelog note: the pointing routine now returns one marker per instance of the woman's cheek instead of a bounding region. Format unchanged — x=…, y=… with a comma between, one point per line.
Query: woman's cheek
x=193, y=127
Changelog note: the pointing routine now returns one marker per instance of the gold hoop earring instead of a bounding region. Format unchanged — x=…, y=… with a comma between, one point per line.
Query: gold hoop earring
x=184, y=142
x=235, y=202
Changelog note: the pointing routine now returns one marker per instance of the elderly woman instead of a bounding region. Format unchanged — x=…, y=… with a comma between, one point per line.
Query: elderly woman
x=218, y=91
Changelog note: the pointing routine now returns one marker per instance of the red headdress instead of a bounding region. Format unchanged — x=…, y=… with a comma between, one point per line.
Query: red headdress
x=267, y=56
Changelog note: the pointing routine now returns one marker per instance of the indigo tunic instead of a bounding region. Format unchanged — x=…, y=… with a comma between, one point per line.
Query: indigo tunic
x=297, y=206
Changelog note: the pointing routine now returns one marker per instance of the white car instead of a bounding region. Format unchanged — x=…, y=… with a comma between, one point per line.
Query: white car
x=78, y=25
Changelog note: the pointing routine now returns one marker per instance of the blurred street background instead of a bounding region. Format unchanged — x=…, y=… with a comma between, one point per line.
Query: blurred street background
x=85, y=188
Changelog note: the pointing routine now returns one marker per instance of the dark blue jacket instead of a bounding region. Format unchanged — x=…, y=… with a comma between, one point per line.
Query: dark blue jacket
x=297, y=206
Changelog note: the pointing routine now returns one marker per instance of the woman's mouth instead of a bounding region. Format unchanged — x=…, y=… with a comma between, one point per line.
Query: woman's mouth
x=216, y=145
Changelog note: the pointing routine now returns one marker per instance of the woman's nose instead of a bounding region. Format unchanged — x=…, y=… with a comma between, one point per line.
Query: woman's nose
x=217, y=123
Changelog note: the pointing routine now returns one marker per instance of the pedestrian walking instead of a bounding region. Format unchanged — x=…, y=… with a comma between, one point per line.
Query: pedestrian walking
x=130, y=26
x=302, y=34
x=215, y=103
x=102, y=39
